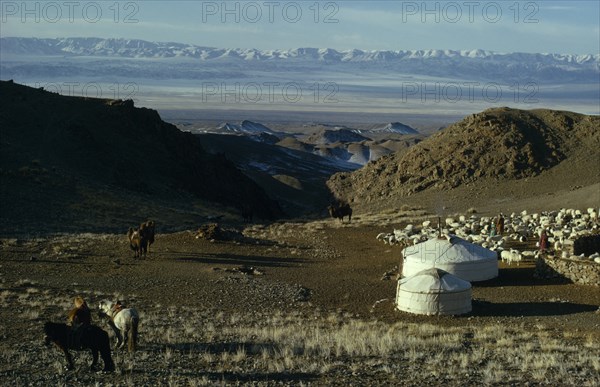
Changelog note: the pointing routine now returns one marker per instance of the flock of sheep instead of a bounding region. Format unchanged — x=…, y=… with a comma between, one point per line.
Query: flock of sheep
x=562, y=228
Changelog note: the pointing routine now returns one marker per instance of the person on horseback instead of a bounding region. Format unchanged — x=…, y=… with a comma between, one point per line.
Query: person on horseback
x=117, y=307
x=80, y=318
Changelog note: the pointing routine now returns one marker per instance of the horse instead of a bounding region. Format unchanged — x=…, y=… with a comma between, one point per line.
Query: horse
x=135, y=241
x=147, y=231
x=342, y=210
x=91, y=337
x=123, y=321
x=141, y=238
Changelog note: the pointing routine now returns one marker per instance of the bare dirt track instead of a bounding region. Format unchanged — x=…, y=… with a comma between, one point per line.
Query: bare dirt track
x=305, y=272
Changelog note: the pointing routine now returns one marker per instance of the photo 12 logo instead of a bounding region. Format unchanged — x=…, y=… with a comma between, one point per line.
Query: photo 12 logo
x=469, y=11
x=269, y=92
x=113, y=90
x=269, y=11
x=69, y=11
x=470, y=92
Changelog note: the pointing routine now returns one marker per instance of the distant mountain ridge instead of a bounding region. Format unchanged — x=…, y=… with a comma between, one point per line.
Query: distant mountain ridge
x=395, y=127
x=246, y=127
x=135, y=48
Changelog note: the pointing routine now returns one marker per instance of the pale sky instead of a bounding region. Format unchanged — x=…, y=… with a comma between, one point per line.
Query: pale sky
x=546, y=26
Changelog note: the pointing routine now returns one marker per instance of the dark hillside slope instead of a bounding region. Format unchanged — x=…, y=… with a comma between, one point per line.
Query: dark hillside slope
x=55, y=150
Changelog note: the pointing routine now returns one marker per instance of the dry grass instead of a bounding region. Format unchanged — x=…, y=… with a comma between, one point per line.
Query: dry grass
x=203, y=347
x=279, y=231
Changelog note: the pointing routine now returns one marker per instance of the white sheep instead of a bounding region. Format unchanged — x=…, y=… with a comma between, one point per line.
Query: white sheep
x=400, y=234
x=511, y=256
x=381, y=236
x=530, y=254
x=391, y=240
x=557, y=245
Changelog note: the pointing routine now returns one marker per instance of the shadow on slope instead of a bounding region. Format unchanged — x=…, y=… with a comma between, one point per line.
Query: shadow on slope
x=88, y=164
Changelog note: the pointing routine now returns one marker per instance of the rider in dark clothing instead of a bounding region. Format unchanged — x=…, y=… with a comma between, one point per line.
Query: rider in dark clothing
x=80, y=317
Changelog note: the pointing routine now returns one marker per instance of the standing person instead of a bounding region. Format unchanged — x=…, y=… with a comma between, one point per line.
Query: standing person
x=543, y=241
x=493, y=227
x=80, y=317
x=500, y=225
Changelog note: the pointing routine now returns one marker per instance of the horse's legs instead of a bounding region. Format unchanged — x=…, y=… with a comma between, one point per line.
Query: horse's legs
x=117, y=333
x=124, y=337
x=94, y=359
x=145, y=248
x=119, y=339
x=109, y=365
x=69, y=358
x=103, y=346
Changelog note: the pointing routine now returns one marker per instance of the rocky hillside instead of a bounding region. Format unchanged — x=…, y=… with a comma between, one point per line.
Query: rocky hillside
x=60, y=154
x=499, y=144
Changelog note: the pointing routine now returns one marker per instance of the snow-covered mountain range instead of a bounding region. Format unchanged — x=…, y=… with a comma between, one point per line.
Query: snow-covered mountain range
x=133, y=48
x=183, y=76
